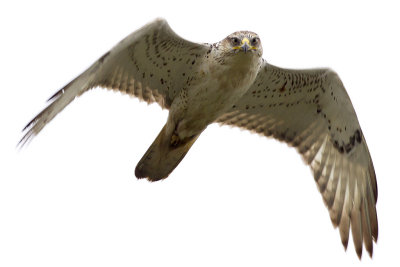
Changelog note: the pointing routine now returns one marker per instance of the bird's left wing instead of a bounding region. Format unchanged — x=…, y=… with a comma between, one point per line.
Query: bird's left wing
x=150, y=64
x=311, y=111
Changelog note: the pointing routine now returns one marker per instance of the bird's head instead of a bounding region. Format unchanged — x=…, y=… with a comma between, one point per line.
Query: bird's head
x=242, y=42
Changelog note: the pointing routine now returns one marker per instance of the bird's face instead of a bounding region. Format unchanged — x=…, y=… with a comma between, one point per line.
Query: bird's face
x=243, y=42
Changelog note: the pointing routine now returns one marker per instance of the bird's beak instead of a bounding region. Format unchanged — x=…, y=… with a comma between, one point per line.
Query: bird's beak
x=245, y=45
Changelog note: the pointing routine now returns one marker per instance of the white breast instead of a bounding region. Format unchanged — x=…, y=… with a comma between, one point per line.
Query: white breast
x=219, y=87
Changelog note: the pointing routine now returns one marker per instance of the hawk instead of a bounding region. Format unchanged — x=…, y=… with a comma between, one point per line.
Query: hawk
x=229, y=83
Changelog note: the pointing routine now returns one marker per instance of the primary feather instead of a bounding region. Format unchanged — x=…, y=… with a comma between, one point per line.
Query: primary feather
x=229, y=83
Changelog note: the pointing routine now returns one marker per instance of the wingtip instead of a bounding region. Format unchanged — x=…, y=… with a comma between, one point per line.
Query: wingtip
x=375, y=233
x=370, y=251
x=27, y=138
x=359, y=252
x=345, y=242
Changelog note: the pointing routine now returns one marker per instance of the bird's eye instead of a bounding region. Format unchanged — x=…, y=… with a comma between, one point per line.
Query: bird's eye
x=254, y=41
x=235, y=41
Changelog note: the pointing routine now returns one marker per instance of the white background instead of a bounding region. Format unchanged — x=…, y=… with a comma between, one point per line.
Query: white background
x=71, y=198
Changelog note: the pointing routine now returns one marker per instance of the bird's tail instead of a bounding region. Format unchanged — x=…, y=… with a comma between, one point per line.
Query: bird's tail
x=162, y=157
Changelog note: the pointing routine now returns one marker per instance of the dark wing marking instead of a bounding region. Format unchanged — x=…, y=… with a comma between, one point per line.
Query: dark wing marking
x=310, y=110
x=147, y=64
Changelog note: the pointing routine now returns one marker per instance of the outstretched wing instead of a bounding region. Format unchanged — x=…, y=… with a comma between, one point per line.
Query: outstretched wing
x=147, y=64
x=310, y=110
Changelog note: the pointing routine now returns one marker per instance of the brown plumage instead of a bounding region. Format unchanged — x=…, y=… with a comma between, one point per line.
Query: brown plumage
x=228, y=82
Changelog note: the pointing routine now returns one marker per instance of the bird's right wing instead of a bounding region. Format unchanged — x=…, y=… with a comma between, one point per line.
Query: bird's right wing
x=153, y=64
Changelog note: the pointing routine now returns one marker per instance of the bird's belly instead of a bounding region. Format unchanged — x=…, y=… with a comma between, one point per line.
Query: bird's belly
x=209, y=100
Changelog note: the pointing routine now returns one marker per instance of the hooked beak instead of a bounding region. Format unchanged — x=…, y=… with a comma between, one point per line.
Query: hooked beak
x=245, y=45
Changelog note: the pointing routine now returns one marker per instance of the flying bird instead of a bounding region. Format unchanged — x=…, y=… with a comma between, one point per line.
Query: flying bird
x=229, y=83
